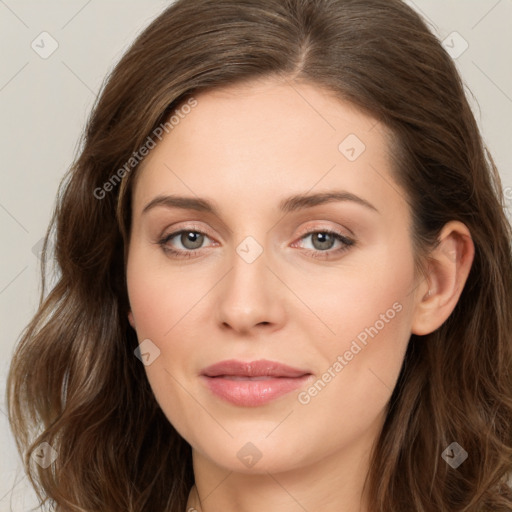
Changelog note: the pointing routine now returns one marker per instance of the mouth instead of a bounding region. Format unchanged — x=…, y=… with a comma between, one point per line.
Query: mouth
x=251, y=384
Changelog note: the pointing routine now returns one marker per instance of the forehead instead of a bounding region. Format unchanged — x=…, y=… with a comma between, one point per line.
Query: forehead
x=266, y=136
x=297, y=112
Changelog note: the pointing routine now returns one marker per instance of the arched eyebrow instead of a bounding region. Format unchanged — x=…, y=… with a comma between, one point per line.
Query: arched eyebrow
x=301, y=201
x=293, y=203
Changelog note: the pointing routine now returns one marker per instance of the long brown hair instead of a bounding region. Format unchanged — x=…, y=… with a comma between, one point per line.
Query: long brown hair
x=74, y=381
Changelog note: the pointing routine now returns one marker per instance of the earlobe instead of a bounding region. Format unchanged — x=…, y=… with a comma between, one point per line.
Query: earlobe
x=448, y=269
x=131, y=319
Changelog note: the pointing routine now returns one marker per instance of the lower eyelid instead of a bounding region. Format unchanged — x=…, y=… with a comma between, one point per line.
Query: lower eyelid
x=344, y=240
x=170, y=236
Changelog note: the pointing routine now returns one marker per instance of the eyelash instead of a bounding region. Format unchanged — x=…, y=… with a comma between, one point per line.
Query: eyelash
x=347, y=242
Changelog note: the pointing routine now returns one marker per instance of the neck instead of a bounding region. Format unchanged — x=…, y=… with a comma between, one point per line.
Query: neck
x=335, y=482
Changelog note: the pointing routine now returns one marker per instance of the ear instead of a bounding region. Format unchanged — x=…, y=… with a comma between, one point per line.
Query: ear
x=447, y=272
x=131, y=319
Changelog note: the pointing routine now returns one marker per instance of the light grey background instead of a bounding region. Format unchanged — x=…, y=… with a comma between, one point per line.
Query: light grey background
x=44, y=103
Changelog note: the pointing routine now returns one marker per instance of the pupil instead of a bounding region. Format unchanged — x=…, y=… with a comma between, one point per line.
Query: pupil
x=320, y=241
x=323, y=241
x=191, y=240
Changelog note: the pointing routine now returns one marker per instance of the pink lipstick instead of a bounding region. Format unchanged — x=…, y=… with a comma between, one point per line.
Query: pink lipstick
x=253, y=383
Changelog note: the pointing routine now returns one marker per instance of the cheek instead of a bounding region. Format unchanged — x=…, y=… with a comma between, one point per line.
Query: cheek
x=161, y=304
x=368, y=297
x=158, y=298
x=369, y=314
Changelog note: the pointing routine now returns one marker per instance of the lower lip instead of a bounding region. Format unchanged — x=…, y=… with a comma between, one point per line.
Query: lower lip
x=251, y=393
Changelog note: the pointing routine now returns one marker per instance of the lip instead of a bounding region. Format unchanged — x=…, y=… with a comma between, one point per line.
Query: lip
x=253, y=383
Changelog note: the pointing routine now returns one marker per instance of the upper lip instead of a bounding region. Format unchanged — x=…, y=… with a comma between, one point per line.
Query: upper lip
x=259, y=368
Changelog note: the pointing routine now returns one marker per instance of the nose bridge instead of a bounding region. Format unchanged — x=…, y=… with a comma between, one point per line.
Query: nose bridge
x=249, y=295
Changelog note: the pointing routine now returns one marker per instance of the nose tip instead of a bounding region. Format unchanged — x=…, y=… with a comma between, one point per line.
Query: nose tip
x=249, y=297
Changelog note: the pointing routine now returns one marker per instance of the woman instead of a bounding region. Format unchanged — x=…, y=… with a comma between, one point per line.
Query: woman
x=285, y=276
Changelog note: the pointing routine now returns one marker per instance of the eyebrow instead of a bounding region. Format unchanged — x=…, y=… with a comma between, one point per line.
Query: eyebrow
x=290, y=204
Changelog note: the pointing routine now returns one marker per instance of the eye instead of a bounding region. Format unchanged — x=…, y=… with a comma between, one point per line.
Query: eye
x=323, y=241
x=190, y=240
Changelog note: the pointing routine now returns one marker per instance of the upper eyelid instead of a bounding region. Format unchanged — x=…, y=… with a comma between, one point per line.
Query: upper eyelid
x=174, y=233
x=320, y=229
x=306, y=230
x=304, y=233
x=228, y=230
x=189, y=227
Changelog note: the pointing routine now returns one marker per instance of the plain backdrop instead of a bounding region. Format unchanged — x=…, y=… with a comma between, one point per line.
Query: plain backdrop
x=45, y=100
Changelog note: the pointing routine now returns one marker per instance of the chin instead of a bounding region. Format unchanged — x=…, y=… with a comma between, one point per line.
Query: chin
x=241, y=455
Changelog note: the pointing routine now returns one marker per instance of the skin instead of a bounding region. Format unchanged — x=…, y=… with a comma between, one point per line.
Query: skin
x=245, y=148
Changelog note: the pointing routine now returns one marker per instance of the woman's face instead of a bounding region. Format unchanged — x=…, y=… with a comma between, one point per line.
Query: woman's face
x=293, y=246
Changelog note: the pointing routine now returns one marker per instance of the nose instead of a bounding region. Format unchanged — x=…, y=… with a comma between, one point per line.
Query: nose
x=250, y=297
